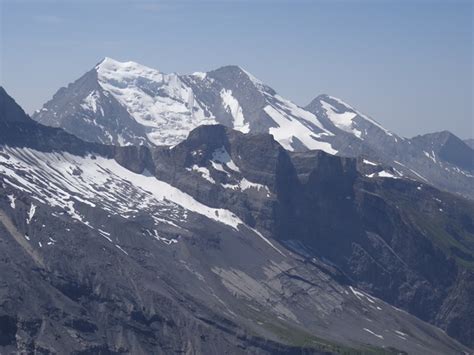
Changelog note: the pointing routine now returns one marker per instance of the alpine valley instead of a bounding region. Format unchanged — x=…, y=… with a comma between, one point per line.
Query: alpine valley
x=152, y=213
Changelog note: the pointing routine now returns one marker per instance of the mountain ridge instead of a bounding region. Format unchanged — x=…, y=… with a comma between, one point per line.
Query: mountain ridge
x=123, y=103
x=214, y=214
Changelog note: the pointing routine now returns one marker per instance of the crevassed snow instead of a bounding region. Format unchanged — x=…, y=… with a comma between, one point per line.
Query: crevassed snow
x=162, y=103
x=233, y=107
x=290, y=128
x=343, y=120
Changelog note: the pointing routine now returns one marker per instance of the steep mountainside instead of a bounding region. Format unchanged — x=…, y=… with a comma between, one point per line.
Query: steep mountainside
x=128, y=103
x=470, y=142
x=224, y=243
x=440, y=159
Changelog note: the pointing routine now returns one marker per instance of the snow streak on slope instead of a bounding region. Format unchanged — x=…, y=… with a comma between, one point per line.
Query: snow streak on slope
x=233, y=106
x=290, y=128
x=66, y=181
x=160, y=102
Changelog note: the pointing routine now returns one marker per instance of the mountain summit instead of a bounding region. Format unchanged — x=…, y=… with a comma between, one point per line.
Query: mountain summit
x=126, y=103
x=10, y=112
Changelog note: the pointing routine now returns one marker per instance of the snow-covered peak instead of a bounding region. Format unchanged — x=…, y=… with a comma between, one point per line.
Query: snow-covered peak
x=112, y=70
x=160, y=102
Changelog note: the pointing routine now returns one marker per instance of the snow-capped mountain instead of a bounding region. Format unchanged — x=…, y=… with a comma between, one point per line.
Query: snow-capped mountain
x=128, y=103
x=225, y=242
x=439, y=159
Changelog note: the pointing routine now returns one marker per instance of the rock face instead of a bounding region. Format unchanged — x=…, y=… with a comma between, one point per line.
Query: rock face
x=127, y=103
x=440, y=159
x=470, y=142
x=225, y=243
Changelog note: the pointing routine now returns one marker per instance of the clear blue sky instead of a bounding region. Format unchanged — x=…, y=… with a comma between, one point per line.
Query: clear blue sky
x=408, y=64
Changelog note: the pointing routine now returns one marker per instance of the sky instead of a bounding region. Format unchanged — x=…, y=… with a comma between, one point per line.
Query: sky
x=406, y=63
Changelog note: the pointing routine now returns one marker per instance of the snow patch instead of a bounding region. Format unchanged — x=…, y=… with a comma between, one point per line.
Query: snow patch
x=31, y=213
x=245, y=184
x=12, y=199
x=221, y=157
x=365, y=117
x=373, y=333
x=368, y=162
x=290, y=127
x=232, y=106
x=205, y=173
x=342, y=120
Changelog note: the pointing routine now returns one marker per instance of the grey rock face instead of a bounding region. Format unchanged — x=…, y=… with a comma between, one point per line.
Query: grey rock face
x=127, y=103
x=224, y=243
x=90, y=113
x=440, y=159
x=10, y=111
x=469, y=142
x=449, y=148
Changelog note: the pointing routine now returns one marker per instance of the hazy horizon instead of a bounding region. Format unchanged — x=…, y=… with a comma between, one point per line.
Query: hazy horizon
x=407, y=64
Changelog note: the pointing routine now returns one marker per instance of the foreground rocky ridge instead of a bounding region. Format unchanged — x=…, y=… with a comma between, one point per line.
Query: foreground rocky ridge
x=236, y=245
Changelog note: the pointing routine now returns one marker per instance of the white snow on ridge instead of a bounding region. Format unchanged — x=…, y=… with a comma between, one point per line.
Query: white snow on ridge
x=257, y=82
x=49, y=179
x=342, y=120
x=233, y=107
x=361, y=115
x=290, y=128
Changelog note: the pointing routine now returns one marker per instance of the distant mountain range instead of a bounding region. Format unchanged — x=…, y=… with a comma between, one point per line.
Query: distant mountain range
x=128, y=103
x=206, y=214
